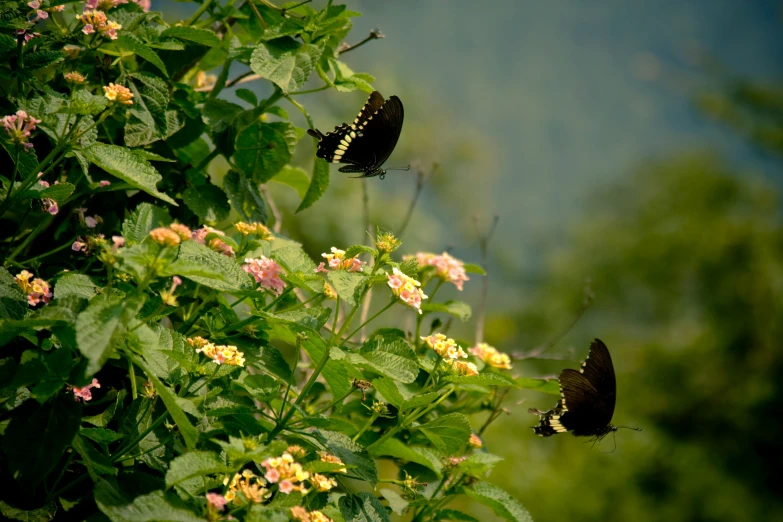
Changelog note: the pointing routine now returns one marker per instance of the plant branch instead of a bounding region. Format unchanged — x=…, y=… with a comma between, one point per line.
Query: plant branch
x=375, y=34
x=421, y=176
x=483, y=245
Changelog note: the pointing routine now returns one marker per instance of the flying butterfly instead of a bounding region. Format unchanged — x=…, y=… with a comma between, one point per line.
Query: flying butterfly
x=367, y=143
x=587, y=399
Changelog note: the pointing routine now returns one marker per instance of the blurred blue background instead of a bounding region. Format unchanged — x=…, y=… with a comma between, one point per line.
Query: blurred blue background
x=635, y=145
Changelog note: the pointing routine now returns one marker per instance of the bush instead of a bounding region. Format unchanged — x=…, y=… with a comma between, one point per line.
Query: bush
x=166, y=355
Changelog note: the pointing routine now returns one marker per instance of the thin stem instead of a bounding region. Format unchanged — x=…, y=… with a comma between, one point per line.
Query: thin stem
x=207, y=381
x=301, y=109
x=334, y=321
x=200, y=11
x=379, y=312
x=23, y=246
x=121, y=453
x=309, y=384
x=221, y=79
x=374, y=35
x=310, y=91
x=278, y=226
x=366, y=426
x=278, y=298
x=134, y=388
x=331, y=404
x=245, y=77
x=207, y=160
x=434, y=371
x=291, y=379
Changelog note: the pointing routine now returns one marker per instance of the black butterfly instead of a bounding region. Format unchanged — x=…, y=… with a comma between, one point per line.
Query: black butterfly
x=587, y=399
x=366, y=143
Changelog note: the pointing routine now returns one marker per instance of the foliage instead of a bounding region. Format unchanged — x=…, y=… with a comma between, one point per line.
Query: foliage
x=166, y=356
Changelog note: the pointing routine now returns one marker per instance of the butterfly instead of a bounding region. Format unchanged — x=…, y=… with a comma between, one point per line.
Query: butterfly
x=587, y=399
x=366, y=143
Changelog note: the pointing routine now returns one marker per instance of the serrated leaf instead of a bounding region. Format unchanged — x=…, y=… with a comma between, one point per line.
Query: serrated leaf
x=41, y=59
x=245, y=197
x=13, y=303
x=153, y=506
x=363, y=507
x=100, y=327
x=295, y=178
x=388, y=389
x=124, y=164
x=478, y=464
x=97, y=464
x=419, y=400
x=149, y=118
x=458, y=309
x=392, y=358
x=348, y=285
x=294, y=259
x=356, y=250
x=285, y=62
x=352, y=454
x=130, y=43
x=262, y=149
x=86, y=104
x=449, y=433
x=60, y=192
x=72, y=283
x=484, y=379
x=192, y=34
x=194, y=464
x=204, y=266
x=208, y=202
x=503, y=504
x=318, y=184
x=101, y=435
x=142, y=220
x=397, y=449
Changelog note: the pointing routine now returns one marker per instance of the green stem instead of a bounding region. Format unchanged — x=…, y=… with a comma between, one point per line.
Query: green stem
x=434, y=371
x=291, y=379
x=310, y=91
x=43, y=224
x=318, y=369
x=370, y=319
x=334, y=322
x=13, y=176
x=200, y=11
x=121, y=453
x=278, y=298
x=220, y=84
x=206, y=161
x=217, y=367
x=331, y=404
x=134, y=388
x=49, y=253
x=366, y=426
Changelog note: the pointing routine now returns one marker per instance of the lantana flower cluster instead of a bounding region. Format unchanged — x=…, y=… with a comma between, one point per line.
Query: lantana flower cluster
x=248, y=483
x=332, y=459
x=20, y=127
x=257, y=229
x=447, y=268
x=95, y=20
x=266, y=273
x=406, y=288
x=300, y=514
x=118, y=93
x=37, y=290
x=287, y=473
x=337, y=261
x=491, y=356
x=215, y=243
x=219, y=353
x=451, y=353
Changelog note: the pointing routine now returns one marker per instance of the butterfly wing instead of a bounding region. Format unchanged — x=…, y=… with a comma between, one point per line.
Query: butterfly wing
x=599, y=370
x=369, y=141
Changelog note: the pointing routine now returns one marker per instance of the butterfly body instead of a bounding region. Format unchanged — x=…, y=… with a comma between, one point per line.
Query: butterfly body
x=364, y=145
x=587, y=399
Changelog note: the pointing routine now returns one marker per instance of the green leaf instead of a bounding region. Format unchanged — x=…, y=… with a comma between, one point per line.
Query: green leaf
x=130, y=43
x=60, y=192
x=313, y=318
x=396, y=502
x=86, y=104
x=139, y=224
x=388, y=388
x=449, y=433
x=484, y=379
x=363, y=507
x=101, y=435
x=504, y=505
x=551, y=387
x=97, y=464
x=72, y=283
x=144, y=508
x=42, y=514
x=149, y=121
x=208, y=202
x=456, y=308
x=352, y=454
x=397, y=449
x=44, y=433
x=245, y=197
x=103, y=419
x=470, y=268
x=294, y=259
x=346, y=80
x=194, y=464
x=186, y=429
x=318, y=184
x=392, y=357
x=206, y=267
x=247, y=95
x=100, y=327
x=453, y=514
x=13, y=303
x=348, y=285
x=419, y=400
x=262, y=149
x=478, y=464
x=192, y=34
x=285, y=62
x=356, y=250
x=124, y=164
x=295, y=178
x=41, y=59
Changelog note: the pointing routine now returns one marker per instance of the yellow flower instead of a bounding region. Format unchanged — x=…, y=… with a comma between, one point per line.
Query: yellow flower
x=74, y=77
x=467, y=369
x=329, y=292
x=119, y=94
x=165, y=236
x=332, y=459
x=475, y=441
x=220, y=354
x=491, y=356
x=317, y=516
x=257, y=229
x=322, y=482
x=444, y=346
x=182, y=231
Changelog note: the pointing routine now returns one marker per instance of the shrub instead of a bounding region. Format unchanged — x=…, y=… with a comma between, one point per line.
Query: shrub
x=166, y=356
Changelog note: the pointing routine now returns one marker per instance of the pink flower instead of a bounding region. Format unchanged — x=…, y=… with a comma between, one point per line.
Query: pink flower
x=84, y=393
x=144, y=4
x=91, y=222
x=44, y=184
x=272, y=475
x=118, y=241
x=90, y=4
x=217, y=500
x=35, y=4
x=19, y=127
x=286, y=486
x=338, y=261
x=104, y=183
x=37, y=290
x=88, y=29
x=58, y=8
x=78, y=246
x=447, y=268
x=406, y=288
x=321, y=268
x=266, y=273
x=50, y=206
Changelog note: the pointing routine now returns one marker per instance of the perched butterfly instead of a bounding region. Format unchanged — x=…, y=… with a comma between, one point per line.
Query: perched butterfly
x=366, y=143
x=587, y=399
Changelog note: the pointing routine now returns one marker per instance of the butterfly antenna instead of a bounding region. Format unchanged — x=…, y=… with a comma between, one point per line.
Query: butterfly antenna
x=629, y=428
x=400, y=168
